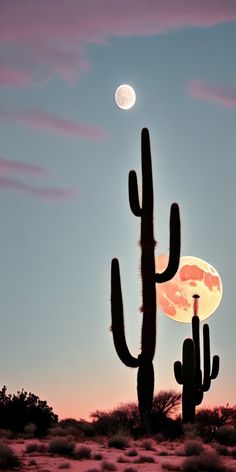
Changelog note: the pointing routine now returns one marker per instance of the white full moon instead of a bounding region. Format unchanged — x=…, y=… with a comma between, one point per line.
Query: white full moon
x=125, y=97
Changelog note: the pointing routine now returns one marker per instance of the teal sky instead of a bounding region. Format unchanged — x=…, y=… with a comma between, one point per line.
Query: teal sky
x=65, y=153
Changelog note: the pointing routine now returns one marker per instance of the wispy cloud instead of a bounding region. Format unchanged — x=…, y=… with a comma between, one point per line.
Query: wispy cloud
x=42, y=120
x=19, y=167
x=223, y=96
x=46, y=193
x=14, y=78
x=53, y=35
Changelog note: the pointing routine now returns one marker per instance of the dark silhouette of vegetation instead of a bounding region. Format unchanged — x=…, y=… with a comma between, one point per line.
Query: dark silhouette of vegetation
x=21, y=409
x=189, y=373
x=125, y=417
x=8, y=459
x=209, y=420
x=149, y=277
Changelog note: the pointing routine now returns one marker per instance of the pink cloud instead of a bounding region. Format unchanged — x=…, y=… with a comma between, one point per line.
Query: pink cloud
x=13, y=78
x=41, y=120
x=54, y=34
x=20, y=167
x=44, y=193
x=222, y=96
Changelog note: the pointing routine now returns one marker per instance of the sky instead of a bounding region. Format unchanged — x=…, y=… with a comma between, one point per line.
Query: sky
x=65, y=153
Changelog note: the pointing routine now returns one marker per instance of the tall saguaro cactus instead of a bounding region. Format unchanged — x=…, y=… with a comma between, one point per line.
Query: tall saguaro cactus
x=145, y=383
x=189, y=373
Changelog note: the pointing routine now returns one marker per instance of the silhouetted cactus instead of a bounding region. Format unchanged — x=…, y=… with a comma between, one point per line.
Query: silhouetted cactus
x=145, y=384
x=189, y=373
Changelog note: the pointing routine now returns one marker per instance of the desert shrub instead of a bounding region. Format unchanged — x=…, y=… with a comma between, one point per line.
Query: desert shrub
x=208, y=420
x=118, y=441
x=210, y=462
x=64, y=465
x=36, y=447
x=8, y=459
x=31, y=447
x=233, y=453
x=83, y=452
x=130, y=469
x=21, y=409
x=226, y=435
x=165, y=428
x=57, y=431
x=30, y=430
x=97, y=456
x=6, y=434
x=141, y=459
x=131, y=453
x=72, y=427
x=122, y=460
x=108, y=423
x=193, y=447
x=147, y=444
x=32, y=462
x=163, y=452
x=222, y=450
x=62, y=446
x=108, y=466
x=165, y=406
x=93, y=469
x=166, y=403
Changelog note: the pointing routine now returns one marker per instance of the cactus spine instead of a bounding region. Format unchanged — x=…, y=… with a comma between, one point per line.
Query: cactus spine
x=189, y=373
x=145, y=382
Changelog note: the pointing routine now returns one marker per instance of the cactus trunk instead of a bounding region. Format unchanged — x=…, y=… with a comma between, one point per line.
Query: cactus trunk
x=145, y=381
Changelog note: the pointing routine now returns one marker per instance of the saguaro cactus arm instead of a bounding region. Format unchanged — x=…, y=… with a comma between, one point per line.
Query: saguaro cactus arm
x=174, y=250
x=208, y=373
x=117, y=318
x=133, y=194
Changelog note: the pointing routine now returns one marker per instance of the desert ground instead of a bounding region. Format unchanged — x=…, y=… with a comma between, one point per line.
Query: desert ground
x=146, y=455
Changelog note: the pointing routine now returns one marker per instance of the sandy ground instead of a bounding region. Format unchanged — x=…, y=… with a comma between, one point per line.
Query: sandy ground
x=46, y=462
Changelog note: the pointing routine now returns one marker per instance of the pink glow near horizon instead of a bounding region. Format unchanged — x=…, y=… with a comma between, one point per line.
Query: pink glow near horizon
x=39, y=119
x=33, y=27
x=47, y=193
x=222, y=96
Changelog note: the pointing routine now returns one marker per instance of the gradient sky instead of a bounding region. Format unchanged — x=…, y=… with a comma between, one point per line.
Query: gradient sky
x=65, y=153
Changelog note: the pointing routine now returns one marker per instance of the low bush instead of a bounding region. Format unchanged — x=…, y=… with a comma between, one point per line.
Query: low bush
x=83, y=452
x=97, y=456
x=141, y=459
x=131, y=453
x=108, y=466
x=32, y=462
x=209, y=462
x=233, y=453
x=8, y=459
x=222, y=450
x=62, y=446
x=193, y=447
x=122, y=460
x=118, y=441
x=31, y=447
x=226, y=435
x=147, y=444
x=64, y=465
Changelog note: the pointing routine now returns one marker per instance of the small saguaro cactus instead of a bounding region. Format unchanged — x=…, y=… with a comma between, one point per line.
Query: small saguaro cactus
x=189, y=373
x=145, y=383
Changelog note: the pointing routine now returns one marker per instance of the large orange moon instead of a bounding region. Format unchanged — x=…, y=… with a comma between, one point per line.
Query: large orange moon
x=194, y=277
